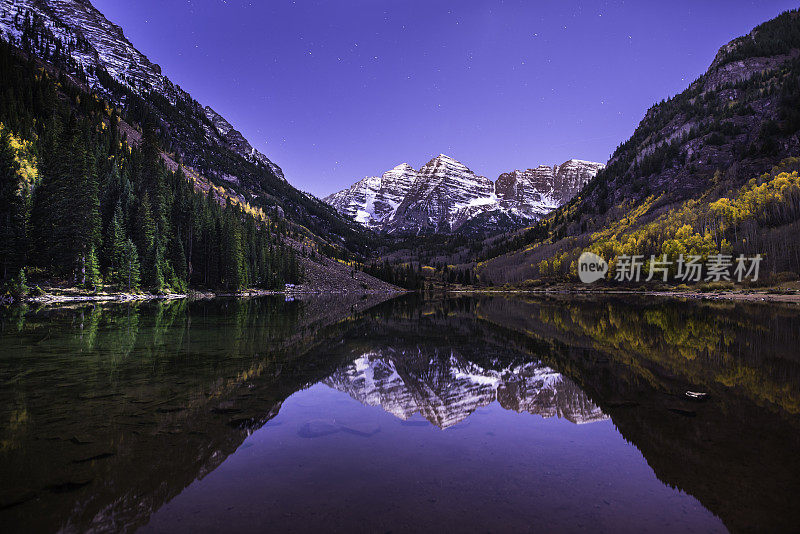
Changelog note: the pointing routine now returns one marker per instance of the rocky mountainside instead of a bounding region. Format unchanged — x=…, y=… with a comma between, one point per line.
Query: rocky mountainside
x=735, y=124
x=534, y=192
x=96, y=44
x=374, y=200
x=447, y=388
x=238, y=143
x=79, y=42
x=445, y=194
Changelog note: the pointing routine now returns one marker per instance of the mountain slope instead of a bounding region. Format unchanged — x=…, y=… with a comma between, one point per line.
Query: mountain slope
x=96, y=44
x=77, y=39
x=166, y=182
x=374, y=200
x=658, y=193
x=445, y=195
x=534, y=192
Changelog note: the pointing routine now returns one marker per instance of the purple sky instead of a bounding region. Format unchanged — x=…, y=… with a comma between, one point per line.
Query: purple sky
x=334, y=91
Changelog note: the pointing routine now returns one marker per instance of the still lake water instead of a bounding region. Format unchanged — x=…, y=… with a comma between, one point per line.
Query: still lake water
x=348, y=414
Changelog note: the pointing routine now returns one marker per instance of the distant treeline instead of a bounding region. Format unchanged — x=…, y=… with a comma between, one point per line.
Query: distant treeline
x=79, y=205
x=403, y=275
x=413, y=276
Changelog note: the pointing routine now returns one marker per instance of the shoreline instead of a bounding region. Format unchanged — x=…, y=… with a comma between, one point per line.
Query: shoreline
x=64, y=296
x=75, y=296
x=748, y=295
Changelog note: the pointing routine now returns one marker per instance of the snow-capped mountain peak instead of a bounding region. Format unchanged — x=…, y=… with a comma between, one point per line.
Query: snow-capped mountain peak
x=373, y=200
x=403, y=167
x=444, y=161
x=445, y=194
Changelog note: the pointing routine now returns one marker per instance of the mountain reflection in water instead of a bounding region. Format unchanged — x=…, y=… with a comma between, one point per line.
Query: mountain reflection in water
x=446, y=388
x=110, y=412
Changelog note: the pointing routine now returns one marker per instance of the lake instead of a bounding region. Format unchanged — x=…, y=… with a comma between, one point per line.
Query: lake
x=361, y=414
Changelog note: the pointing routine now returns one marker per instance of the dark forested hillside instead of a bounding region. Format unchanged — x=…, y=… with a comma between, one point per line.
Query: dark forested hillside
x=725, y=139
x=81, y=205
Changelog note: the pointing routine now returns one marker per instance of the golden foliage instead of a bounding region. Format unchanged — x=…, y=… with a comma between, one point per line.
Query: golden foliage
x=24, y=155
x=754, y=198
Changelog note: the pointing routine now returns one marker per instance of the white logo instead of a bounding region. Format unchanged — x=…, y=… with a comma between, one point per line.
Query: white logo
x=591, y=267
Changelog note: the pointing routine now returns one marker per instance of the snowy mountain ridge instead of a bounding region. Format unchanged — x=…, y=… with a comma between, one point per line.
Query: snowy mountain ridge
x=445, y=194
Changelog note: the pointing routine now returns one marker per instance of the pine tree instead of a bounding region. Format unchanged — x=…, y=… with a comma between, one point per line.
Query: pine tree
x=129, y=270
x=94, y=192
x=115, y=246
x=234, y=275
x=148, y=243
x=177, y=259
x=211, y=248
x=93, y=277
